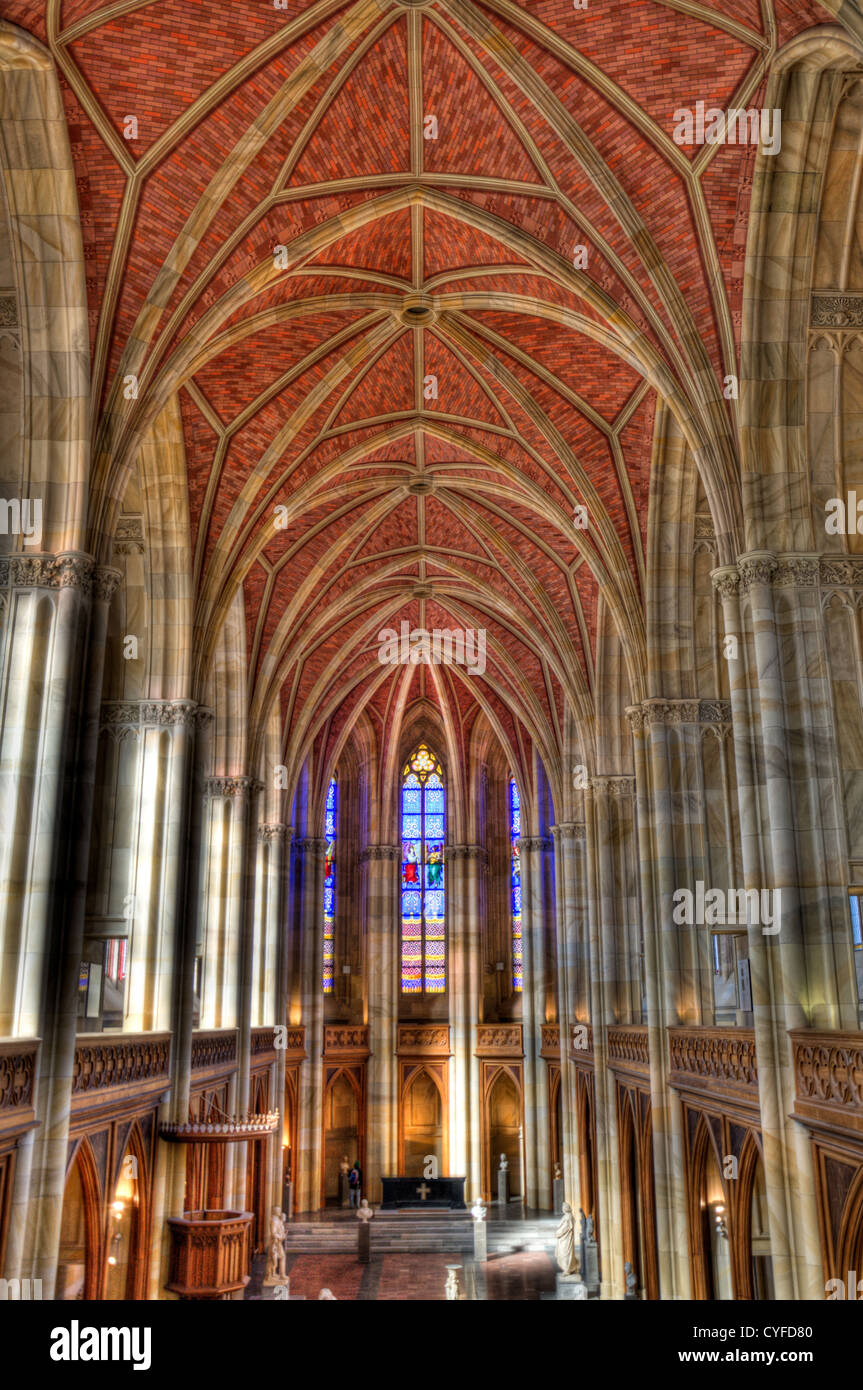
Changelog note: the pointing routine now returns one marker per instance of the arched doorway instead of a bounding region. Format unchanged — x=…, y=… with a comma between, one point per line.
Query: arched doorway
x=78, y=1261
x=503, y=1126
x=341, y=1130
x=125, y=1265
x=422, y=1125
x=758, y=1231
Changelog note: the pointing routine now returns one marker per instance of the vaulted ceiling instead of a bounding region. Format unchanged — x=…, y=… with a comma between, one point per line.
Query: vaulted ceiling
x=430, y=376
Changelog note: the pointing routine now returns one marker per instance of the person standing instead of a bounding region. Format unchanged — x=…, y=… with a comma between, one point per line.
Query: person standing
x=355, y=1179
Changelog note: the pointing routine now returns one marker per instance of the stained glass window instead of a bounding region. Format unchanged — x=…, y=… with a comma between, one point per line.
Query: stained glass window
x=423, y=826
x=331, y=817
x=515, y=882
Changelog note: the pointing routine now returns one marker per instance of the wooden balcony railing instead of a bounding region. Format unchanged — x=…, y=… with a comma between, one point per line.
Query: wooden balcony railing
x=828, y=1075
x=17, y=1079
x=721, y=1061
x=627, y=1049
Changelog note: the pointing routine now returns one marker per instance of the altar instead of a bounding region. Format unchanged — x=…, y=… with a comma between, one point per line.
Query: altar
x=426, y=1194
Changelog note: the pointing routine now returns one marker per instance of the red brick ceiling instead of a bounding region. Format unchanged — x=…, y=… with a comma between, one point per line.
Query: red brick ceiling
x=304, y=387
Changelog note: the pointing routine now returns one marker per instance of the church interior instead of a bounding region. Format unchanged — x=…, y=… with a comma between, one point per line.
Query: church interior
x=431, y=655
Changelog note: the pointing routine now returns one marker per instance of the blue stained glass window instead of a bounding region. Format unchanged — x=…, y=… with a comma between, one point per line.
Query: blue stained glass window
x=515, y=883
x=331, y=813
x=423, y=831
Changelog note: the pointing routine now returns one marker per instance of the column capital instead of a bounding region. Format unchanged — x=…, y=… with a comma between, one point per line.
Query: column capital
x=613, y=785
x=275, y=831
x=726, y=581
x=660, y=711
x=235, y=787
x=454, y=852
x=532, y=844
x=310, y=844
x=126, y=718
x=70, y=569
x=376, y=852
x=570, y=830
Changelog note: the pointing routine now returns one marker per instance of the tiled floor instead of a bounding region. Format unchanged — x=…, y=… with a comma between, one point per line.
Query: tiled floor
x=407, y=1277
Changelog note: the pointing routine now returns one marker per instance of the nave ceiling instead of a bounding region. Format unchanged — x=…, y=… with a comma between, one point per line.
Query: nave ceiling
x=430, y=385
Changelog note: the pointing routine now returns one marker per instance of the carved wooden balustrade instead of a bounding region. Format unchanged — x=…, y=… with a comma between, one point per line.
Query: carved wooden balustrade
x=828, y=1075
x=209, y=1253
x=628, y=1050
x=110, y=1069
x=719, y=1061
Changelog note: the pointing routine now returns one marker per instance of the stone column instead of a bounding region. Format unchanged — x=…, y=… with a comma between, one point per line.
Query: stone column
x=310, y=1139
x=274, y=838
x=572, y=957
x=379, y=897
x=465, y=864
x=793, y=843
x=57, y=625
x=533, y=853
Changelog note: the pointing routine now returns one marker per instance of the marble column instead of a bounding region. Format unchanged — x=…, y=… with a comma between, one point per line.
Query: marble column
x=308, y=1174
x=465, y=866
x=273, y=838
x=379, y=895
x=533, y=852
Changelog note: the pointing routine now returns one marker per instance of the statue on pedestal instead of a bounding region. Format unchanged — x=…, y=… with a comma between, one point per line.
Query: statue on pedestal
x=477, y=1211
x=364, y=1211
x=276, y=1259
x=453, y=1289
x=564, y=1242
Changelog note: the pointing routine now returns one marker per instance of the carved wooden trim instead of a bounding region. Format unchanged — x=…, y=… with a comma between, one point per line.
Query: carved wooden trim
x=423, y=1039
x=581, y=1044
x=214, y=1051
x=721, y=1061
x=263, y=1043
x=499, y=1040
x=18, y=1057
x=346, y=1041
x=828, y=1079
x=550, y=1041
x=110, y=1068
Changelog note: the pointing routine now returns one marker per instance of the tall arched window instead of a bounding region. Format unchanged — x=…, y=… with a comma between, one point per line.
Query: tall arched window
x=331, y=818
x=423, y=818
x=515, y=882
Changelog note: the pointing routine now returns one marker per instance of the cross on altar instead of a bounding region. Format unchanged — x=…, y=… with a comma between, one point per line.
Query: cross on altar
x=423, y=1191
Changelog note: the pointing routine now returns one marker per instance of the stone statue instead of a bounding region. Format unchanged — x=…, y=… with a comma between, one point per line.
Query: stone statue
x=276, y=1264
x=589, y=1237
x=477, y=1211
x=631, y=1280
x=344, y=1166
x=564, y=1242
x=557, y=1172
x=364, y=1211
x=504, y=1163
x=327, y=1293
x=453, y=1290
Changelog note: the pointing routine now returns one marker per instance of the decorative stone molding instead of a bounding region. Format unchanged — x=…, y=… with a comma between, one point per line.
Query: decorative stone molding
x=309, y=844
x=8, y=311
x=204, y=718
x=704, y=530
x=218, y=1049
x=628, y=1050
x=423, y=1038
x=237, y=787
x=346, y=1040
x=101, y=1064
x=797, y=571
x=756, y=569
x=569, y=830
x=268, y=833
x=719, y=1060
x=105, y=583
x=374, y=852
x=499, y=1040
x=837, y=311
x=656, y=711
x=129, y=536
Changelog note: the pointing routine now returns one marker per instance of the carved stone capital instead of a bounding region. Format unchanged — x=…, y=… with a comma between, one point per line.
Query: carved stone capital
x=797, y=571
x=125, y=718
x=613, y=786
x=454, y=852
x=105, y=583
x=268, y=833
x=70, y=570
x=569, y=830
x=310, y=844
x=376, y=852
x=726, y=581
x=235, y=787
x=756, y=569
x=534, y=844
